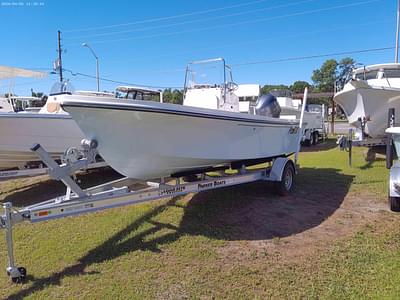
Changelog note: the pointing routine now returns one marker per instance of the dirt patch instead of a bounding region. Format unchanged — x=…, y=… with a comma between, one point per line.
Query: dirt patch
x=250, y=217
x=325, y=228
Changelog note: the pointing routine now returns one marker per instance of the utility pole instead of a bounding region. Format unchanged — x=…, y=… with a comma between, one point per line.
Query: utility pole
x=396, y=57
x=333, y=117
x=59, y=56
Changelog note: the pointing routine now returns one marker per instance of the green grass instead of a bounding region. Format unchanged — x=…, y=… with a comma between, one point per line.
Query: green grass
x=194, y=248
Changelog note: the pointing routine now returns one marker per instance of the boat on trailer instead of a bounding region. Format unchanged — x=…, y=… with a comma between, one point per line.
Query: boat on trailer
x=51, y=126
x=184, y=140
x=127, y=191
x=365, y=95
x=145, y=139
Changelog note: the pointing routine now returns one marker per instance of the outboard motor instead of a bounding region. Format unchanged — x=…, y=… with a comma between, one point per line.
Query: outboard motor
x=267, y=105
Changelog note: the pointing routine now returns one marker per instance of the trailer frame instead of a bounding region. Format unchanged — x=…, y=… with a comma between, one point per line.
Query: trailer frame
x=121, y=192
x=127, y=191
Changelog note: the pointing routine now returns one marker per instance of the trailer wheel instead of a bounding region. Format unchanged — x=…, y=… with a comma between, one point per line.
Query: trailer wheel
x=22, y=270
x=394, y=204
x=21, y=278
x=284, y=186
x=315, y=137
x=370, y=155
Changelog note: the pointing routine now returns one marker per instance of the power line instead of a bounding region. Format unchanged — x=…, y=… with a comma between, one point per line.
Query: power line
x=191, y=21
x=311, y=56
x=168, y=17
x=238, y=23
x=116, y=81
x=356, y=26
x=279, y=60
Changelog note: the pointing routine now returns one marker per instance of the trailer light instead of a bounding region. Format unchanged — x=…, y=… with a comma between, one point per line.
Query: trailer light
x=43, y=213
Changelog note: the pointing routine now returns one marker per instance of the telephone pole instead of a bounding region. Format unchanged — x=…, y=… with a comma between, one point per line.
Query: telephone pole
x=396, y=57
x=59, y=56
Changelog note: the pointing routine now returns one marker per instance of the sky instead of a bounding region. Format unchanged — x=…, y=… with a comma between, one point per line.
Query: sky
x=150, y=42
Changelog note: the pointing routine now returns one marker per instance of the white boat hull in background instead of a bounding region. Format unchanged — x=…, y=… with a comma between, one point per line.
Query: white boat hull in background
x=395, y=132
x=19, y=131
x=310, y=119
x=145, y=140
x=372, y=103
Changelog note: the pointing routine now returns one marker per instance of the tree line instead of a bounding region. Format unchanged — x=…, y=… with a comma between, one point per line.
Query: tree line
x=323, y=80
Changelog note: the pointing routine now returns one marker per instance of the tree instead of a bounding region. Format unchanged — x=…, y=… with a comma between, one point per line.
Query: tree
x=324, y=78
x=175, y=96
x=268, y=88
x=345, y=66
x=299, y=86
x=37, y=95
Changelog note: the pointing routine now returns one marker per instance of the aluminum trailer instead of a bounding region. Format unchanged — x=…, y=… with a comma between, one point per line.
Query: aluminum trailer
x=125, y=191
x=317, y=131
x=14, y=174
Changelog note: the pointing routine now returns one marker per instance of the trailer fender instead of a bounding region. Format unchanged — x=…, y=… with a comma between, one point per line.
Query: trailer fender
x=277, y=168
x=394, y=184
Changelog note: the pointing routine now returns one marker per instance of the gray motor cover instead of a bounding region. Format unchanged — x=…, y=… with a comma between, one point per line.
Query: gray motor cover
x=267, y=105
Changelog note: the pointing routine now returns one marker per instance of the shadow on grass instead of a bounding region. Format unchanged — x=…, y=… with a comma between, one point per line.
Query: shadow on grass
x=250, y=212
x=253, y=212
x=370, y=164
x=326, y=145
x=33, y=193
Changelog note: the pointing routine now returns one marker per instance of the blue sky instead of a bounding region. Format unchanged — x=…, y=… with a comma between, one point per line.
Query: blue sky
x=160, y=37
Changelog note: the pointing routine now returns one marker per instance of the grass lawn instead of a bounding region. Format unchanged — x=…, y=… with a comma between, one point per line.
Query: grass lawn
x=332, y=238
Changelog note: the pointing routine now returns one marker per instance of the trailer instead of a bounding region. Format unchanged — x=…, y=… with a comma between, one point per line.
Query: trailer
x=357, y=138
x=281, y=171
x=314, y=129
x=39, y=170
x=394, y=167
x=125, y=191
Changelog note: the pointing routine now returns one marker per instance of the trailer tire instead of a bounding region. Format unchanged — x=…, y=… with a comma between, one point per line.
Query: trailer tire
x=285, y=185
x=307, y=142
x=394, y=204
x=370, y=156
x=315, y=137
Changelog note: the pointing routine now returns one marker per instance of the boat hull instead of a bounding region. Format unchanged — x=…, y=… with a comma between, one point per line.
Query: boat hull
x=19, y=131
x=146, y=140
x=311, y=120
x=372, y=103
x=395, y=132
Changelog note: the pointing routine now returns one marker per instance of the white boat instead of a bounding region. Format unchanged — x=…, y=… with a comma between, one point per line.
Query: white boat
x=366, y=96
x=395, y=133
x=12, y=103
x=313, y=120
x=21, y=104
x=144, y=139
x=51, y=127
